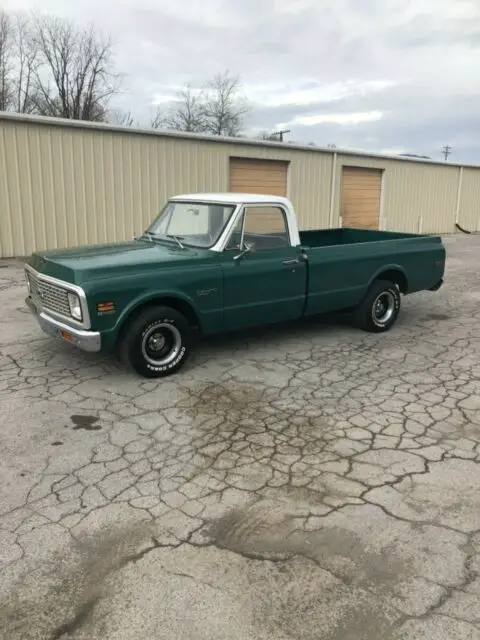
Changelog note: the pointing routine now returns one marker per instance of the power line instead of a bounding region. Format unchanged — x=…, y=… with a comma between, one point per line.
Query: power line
x=446, y=150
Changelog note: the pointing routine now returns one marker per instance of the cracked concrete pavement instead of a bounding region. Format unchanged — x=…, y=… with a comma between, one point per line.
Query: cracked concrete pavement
x=308, y=481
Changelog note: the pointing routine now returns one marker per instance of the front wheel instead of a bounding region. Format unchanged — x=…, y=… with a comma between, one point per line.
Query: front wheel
x=157, y=342
x=379, y=310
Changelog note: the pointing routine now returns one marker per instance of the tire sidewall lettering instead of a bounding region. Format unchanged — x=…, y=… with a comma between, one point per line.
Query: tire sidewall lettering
x=169, y=366
x=154, y=324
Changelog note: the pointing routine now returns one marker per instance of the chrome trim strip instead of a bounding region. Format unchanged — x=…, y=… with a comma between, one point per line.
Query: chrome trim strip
x=73, y=288
x=222, y=241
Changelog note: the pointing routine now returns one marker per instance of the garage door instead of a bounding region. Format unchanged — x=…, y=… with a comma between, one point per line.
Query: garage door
x=249, y=175
x=360, y=199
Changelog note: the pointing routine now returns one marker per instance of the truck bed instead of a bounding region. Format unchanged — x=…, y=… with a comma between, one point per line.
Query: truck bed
x=342, y=264
x=335, y=237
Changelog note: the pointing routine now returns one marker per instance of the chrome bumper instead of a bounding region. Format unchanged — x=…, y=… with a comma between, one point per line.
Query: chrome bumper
x=84, y=340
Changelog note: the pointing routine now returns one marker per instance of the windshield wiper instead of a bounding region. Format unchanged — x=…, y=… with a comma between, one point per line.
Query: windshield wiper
x=151, y=234
x=177, y=240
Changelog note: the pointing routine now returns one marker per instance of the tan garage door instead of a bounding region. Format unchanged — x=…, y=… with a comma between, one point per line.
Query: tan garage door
x=248, y=175
x=360, y=200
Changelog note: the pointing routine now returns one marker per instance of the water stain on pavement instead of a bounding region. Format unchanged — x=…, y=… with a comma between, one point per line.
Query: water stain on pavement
x=275, y=530
x=70, y=586
x=337, y=567
x=89, y=423
x=212, y=399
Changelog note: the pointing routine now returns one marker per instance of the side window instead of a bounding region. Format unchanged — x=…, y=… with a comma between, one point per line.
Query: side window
x=266, y=227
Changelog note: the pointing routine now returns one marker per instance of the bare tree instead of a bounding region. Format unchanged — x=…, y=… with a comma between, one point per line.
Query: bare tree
x=121, y=118
x=26, y=63
x=218, y=109
x=50, y=67
x=6, y=39
x=74, y=77
x=159, y=120
x=186, y=114
x=264, y=135
x=223, y=109
x=17, y=63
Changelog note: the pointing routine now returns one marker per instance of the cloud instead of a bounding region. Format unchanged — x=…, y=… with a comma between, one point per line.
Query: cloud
x=334, y=118
x=309, y=91
x=368, y=74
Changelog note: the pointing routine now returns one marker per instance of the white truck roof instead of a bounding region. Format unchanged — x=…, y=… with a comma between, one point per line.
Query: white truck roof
x=233, y=198
x=242, y=199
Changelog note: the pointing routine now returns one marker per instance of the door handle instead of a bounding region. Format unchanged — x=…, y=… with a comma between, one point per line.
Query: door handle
x=291, y=261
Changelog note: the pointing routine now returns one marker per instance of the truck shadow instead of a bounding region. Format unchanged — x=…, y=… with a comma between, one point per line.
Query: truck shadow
x=225, y=345
x=305, y=328
x=211, y=347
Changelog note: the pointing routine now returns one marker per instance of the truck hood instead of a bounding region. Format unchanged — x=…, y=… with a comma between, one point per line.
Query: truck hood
x=82, y=264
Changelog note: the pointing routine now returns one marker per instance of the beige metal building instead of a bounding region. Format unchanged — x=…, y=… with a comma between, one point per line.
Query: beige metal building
x=65, y=183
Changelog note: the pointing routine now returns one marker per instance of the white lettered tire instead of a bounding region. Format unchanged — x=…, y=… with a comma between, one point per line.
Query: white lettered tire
x=156, y=342
x=379, y=310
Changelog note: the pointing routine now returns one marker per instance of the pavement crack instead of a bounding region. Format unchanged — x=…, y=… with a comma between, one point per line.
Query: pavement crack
x=135, y=557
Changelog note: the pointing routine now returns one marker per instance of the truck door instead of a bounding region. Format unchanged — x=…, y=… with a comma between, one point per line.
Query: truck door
x=264, y=276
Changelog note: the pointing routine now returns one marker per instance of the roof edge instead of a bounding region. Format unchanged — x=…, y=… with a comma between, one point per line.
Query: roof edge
x=182, y=135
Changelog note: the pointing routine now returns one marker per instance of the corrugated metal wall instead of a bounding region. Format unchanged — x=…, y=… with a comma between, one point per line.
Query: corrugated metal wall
x=64, y=185
x=469, y=209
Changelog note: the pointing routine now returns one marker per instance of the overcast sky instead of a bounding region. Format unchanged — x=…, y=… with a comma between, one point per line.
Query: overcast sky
x=384, y=75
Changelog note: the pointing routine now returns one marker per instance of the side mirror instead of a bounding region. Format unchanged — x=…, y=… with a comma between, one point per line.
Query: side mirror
x=248, y=247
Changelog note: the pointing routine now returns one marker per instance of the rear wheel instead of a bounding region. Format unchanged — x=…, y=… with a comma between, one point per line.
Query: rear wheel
x=157, y=342
x=379, y=310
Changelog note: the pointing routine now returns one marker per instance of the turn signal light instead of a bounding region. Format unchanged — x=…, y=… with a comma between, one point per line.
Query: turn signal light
x=105, y=307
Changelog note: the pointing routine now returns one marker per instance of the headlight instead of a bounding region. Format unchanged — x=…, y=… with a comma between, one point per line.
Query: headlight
x=75, y=307
x=27, y=280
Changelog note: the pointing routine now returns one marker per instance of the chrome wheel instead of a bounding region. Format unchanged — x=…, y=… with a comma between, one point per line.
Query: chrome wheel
x=383, y=307
x=161, y=344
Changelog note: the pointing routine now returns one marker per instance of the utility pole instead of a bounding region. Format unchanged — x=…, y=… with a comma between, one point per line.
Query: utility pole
x=280, y=134
x=446, y=150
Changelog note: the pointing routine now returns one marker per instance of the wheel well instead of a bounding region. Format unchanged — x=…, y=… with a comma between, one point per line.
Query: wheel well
x=395, y=276
x=174, y=303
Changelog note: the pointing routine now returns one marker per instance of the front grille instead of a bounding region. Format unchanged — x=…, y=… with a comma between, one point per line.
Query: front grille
x=48, y=296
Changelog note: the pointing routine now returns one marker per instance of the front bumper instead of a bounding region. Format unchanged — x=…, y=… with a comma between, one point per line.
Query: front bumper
x=84, y=340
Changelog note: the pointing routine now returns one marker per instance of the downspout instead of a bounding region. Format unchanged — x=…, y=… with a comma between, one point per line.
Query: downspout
x=459, y=196
x=333, y=185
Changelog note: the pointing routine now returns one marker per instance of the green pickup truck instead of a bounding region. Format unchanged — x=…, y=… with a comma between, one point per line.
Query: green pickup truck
x=220, y=262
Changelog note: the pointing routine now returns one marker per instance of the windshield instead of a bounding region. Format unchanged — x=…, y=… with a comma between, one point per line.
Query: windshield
x=198, y=224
